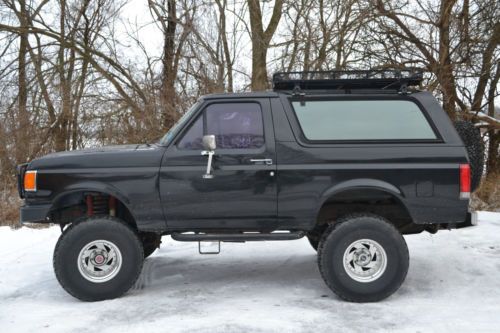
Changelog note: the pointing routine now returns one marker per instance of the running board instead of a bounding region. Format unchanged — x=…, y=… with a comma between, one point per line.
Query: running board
x=237, y=237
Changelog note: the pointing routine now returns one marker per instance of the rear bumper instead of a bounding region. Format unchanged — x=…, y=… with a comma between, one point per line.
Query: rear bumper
x=34, y=213
x=470, y=221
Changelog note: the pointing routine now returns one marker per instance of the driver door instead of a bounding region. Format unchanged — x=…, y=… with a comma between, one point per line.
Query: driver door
x=242, y=194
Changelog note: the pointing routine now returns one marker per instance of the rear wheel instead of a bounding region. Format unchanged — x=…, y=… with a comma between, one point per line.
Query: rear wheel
x=363, y=258
x=97, y=259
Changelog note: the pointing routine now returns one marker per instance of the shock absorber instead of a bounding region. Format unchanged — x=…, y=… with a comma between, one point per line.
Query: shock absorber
x=112, y=206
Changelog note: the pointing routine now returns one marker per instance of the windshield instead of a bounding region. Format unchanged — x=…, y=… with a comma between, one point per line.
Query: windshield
x=167, y=138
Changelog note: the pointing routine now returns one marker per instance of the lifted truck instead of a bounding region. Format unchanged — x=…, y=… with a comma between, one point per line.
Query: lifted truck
x=351, y=160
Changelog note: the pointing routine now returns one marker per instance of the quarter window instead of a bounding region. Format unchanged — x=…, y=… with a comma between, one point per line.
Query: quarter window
x=362, y=120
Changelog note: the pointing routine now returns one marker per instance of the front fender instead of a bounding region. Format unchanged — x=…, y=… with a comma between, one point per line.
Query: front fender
x=92, y=186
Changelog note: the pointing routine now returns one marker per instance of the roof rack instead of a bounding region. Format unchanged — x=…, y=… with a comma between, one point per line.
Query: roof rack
x=394, y=79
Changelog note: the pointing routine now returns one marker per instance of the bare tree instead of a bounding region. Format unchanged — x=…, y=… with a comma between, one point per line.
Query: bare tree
x=440, y=48
x=165, y=14
x=322, y=35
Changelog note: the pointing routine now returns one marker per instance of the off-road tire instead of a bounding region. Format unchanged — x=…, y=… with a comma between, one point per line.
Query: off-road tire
x=150, y=242
x=471, y=136
x=77, y=236
x=339, y=236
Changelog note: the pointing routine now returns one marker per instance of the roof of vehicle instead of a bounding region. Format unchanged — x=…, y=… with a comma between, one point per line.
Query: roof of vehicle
x=253, y=94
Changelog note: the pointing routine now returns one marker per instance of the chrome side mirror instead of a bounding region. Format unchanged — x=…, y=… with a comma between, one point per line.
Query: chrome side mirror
x=210, y=145
x=209, y=142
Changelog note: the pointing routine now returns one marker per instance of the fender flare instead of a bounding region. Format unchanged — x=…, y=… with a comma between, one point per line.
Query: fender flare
x=92, y=186
x=360, y=184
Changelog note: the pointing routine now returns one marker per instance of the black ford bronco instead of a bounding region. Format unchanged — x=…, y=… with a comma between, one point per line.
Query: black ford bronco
x=352, y=160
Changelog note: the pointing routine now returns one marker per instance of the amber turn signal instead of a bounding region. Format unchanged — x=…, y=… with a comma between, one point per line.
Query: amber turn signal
x=30, y=181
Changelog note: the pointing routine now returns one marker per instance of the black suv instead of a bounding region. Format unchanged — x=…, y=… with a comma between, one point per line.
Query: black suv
x=351, y=160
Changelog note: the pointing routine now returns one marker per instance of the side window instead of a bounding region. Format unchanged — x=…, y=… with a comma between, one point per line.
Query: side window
x=235, y=125
x=192, y=139
x=362, y=120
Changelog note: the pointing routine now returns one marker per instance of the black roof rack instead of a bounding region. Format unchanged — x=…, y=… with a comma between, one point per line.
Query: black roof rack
x=394, y=79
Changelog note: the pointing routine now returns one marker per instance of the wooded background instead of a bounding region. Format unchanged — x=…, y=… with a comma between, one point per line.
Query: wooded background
x=76, y=73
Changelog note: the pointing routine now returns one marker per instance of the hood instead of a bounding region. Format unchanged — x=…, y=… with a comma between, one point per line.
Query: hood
x=136, y=155
x=97, y=150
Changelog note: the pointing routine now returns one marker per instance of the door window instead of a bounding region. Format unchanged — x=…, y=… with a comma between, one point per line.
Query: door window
x=235, y=126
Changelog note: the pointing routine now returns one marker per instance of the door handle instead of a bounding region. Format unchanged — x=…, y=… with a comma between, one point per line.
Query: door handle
x=266, y=161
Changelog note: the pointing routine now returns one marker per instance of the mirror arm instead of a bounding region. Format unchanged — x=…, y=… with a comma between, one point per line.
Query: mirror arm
x=210, y=153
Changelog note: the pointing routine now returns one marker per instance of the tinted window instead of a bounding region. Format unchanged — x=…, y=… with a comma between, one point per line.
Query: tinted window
x=362, y=120
x=235, y=126
x=192, y=139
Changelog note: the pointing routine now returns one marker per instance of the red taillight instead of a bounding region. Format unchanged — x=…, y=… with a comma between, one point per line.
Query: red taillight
x=464, y=181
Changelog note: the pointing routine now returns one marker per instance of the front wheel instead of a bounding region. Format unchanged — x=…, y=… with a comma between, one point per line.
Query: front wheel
x=363, y=258
x=97, y=259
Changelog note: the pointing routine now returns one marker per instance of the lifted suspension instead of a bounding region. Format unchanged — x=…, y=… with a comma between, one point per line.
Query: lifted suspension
x=98, y=204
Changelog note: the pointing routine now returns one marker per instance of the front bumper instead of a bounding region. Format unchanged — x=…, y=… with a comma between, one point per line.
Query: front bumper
x=34, y=213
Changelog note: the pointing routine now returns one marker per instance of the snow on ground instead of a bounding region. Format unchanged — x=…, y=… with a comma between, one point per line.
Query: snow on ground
x=453, y=285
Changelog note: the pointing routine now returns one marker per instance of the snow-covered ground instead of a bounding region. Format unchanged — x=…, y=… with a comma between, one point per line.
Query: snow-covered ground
x=453, y=285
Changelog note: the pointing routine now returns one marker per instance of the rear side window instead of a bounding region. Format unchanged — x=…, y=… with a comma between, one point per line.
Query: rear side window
x=362, y=120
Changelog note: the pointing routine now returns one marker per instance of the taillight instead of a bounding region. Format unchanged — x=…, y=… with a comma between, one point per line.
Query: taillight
x=30, y=181
x=464, y=181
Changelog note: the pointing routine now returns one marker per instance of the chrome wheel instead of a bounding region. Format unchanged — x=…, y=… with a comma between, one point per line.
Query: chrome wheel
x=365, y=260
x=99, y=261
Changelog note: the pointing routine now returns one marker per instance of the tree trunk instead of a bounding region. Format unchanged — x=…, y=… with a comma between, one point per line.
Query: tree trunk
x=168, y=95
x=260, y=41
x=225, y=44
x=445, y=68
x=22, y=144
x=493, y=164
x=61, y=134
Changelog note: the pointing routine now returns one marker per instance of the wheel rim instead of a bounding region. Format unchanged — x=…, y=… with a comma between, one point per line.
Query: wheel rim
x=365, y=260
x=99, y=261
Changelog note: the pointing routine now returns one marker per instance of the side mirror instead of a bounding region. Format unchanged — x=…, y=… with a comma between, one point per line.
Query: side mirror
x=209, y=145
x=209, y=142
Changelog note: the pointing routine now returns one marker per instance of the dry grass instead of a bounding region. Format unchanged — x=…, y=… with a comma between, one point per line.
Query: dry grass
x=487, y=196
x=9, y=207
